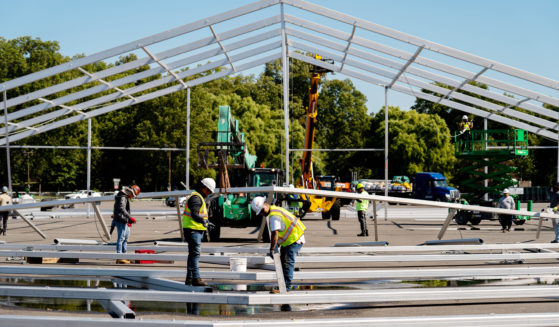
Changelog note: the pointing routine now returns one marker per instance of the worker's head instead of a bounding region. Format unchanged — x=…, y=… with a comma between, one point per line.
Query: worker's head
x=132, y=191
x=360, y=187
x=208, y=185
x=465, y=118
x=4, y=189
x=506, y=192
x=259, y=205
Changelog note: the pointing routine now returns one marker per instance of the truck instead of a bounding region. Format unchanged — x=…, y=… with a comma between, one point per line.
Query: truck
x=434, y=187
x=399, y=186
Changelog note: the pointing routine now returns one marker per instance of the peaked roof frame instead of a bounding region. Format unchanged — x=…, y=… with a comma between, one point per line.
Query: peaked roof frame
x=279, y=37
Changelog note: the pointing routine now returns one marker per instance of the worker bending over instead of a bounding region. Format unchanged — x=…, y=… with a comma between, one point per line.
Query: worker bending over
x=286, y=230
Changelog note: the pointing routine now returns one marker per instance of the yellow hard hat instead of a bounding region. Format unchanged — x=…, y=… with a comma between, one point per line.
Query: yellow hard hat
x=359, y=186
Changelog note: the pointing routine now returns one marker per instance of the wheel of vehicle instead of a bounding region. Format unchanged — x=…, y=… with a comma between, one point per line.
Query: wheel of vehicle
x=215, y=214
x=462, y=217
x=475, y=220
x=517, y=221
x=325, y=214
x=335, y=210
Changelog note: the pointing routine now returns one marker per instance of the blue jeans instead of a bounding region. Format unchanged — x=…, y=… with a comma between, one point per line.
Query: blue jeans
x=194, y=239
x=122, y=238
x=287, y=255
x=556, y=227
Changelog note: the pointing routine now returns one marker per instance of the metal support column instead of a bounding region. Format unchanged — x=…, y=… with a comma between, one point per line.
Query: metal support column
x=485, y=169
x=9, y=167
x=31, y=224
x=179, y=216
x=285, y=82
x=101, y=220
x=88, y=162
x=385, y=150
x=187, y=139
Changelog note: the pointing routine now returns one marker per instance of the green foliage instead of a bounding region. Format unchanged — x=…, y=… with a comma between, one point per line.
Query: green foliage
x=417, y=142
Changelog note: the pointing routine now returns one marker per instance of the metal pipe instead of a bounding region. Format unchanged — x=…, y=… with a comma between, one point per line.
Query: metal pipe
x=74, y=241
x=188, y=138
x=88, y=161
x=7, y=142
x=285, y=82
x=385, y=150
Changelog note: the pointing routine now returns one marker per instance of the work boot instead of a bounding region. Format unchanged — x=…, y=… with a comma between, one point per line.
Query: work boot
x=199, y=282
x=123, y=262
x=188, y=281
x=363, y=234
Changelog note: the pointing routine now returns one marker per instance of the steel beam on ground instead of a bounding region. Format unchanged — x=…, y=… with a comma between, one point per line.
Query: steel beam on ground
x=117, y=309
x=153, y=277
x=31, y=224
x=512, y=320
x=311, y=297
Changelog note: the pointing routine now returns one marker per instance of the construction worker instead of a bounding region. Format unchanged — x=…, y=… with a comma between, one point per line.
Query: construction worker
x=506, y=202
x=465, y=130
x=361, y=206
x=5, y=200
x=286, y=230
x=194, y=223
x=122, y=218
x=553, y=203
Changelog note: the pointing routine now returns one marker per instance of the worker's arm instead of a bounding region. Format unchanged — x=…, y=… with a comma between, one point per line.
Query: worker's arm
x=273, y=240
x=194, y=204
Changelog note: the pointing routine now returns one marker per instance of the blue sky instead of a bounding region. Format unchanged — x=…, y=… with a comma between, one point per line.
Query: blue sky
x=520, y=33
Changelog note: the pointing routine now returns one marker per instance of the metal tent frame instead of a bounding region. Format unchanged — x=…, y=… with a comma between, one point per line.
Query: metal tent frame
x=401, y=62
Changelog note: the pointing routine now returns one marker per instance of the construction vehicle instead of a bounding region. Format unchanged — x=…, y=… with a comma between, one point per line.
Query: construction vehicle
x=328, y=206
x=230, y=151
x=489, y=149
x=399, y=186
x=434, y=187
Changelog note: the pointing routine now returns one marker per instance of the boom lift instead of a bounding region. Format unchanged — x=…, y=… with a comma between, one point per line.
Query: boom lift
x=230, y=151
x=330, y=207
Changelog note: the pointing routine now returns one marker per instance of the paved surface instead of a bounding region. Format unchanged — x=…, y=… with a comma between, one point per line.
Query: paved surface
x=401, y=229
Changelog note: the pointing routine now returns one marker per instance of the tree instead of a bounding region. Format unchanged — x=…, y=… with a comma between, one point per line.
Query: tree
x=417, y=143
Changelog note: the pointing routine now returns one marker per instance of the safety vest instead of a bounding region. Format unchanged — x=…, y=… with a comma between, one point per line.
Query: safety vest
x=187, y=221
x=364, y=204
x=294, y=228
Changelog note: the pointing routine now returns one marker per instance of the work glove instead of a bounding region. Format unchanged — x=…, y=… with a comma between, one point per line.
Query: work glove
x=210, y=226
x=132, y=220
x=554, y=209
x=129, y=225
x=271, y=253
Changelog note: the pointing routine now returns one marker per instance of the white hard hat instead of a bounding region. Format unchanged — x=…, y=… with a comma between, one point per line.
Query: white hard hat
x=257, y=204
x=506, y=191
x=4, y=189
x=209, y=183
x=464, y=117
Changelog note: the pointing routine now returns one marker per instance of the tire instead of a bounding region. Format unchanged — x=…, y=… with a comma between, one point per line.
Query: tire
x=519, y=221
x=335, y=210
x=325, y=214
x=462, y=217
x=215, y=215
x=475, y=220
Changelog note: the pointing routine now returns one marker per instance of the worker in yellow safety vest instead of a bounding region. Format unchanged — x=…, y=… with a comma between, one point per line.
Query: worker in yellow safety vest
x=194, y=223
x=286, y=230
x=361, y=206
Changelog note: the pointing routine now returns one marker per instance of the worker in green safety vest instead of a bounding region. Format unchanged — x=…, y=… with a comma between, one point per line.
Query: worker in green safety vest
x=361, y=205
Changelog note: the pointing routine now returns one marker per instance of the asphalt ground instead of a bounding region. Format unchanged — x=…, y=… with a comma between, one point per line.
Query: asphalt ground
x=403, y=230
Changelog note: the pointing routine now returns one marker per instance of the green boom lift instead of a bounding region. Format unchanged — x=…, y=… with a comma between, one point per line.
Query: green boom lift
x=491, y=149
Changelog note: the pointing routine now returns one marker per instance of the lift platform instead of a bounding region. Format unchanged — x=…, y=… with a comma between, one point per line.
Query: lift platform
x=491, y=149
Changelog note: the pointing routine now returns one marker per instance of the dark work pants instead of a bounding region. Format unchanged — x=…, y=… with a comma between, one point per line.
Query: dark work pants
x=4, y=216
x=506, y=221
x=361, y=215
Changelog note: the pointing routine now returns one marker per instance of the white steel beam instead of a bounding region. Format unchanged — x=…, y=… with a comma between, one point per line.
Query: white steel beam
x=426, y=96
x=143, y=61
x=160, y=63
x=310, y=297
x=407, y=38
x=141, y=75
x=134, y=45
x=433, y=64
x=347, y=47
x=222, y=47
x=102, y=81
x=415, y=71
x=406, y=65
x=158, y=93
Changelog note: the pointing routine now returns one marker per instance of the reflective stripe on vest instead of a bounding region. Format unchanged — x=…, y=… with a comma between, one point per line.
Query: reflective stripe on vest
x=294, y=228
x=364, y=204
x=187, y=221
